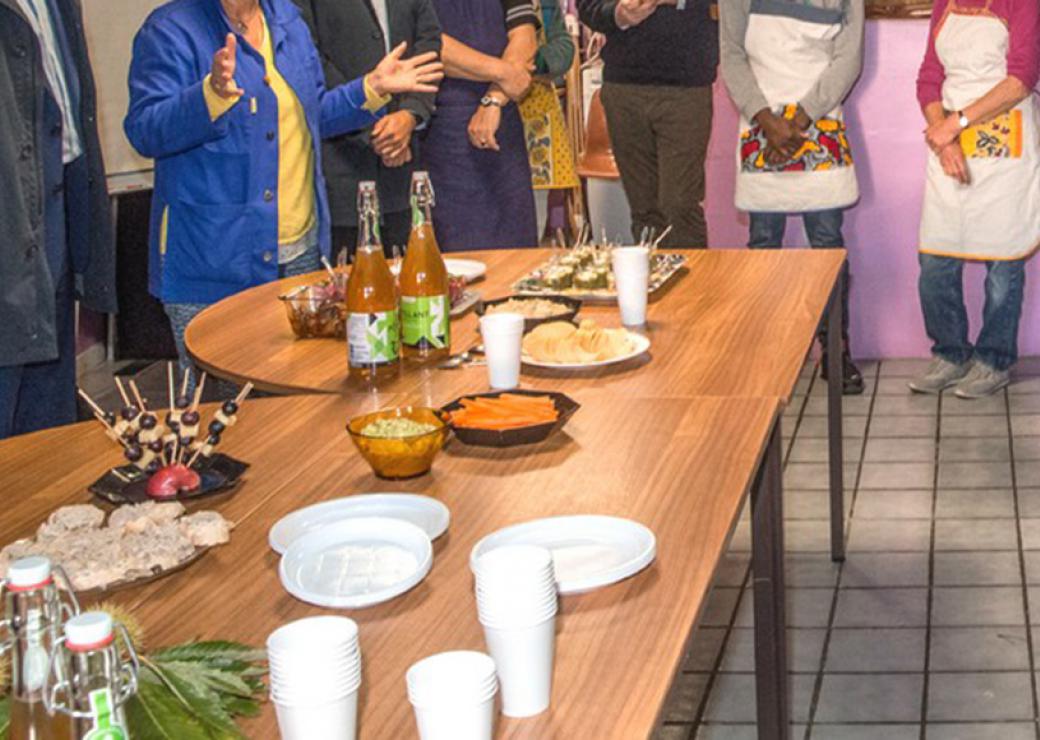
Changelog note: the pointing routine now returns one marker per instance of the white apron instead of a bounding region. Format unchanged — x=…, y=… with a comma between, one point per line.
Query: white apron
x=997, y=215
x=787, y=56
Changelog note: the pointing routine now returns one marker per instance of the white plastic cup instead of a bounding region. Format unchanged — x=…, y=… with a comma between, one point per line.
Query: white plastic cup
x=332, y=720
x=456, y=722
x=632, y=279
x=503, y=335
x=453, y=695
x=524, y=663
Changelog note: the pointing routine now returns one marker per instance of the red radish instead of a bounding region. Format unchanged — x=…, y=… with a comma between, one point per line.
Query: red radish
x=173, y=479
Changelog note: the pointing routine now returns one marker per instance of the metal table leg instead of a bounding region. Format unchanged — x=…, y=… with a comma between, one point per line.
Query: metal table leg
x=767, y=564
x=835, y=387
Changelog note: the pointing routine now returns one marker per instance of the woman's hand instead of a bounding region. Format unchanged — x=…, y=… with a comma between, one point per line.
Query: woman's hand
x=483, y=127
x=943, y=133
x=954, y=164
x=416, y=75
x=222, y=73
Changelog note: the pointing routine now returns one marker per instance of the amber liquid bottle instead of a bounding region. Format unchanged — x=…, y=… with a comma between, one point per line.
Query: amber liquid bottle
x=373, y=321
x=425, y=302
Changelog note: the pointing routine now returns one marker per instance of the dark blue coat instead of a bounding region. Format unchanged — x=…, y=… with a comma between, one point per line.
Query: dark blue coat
x=217, y=181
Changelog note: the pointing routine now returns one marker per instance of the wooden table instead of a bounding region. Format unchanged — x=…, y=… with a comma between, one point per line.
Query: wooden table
x=681, y=465
x=737, y=323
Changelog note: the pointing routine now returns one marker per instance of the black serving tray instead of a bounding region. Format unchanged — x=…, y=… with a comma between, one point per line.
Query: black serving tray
x=565, y=407
x=573, y=307
x=128, y=485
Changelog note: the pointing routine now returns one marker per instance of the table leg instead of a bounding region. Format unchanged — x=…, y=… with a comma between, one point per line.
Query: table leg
x=835, y=388
x=767, y=565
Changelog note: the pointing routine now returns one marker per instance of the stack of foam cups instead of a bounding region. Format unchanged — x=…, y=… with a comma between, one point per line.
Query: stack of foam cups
x=315, y=673
x=517, y=604
x=453, y=695
x=632, y=279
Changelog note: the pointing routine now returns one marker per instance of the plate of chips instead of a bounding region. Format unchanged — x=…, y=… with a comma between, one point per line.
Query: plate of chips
x=561, y=345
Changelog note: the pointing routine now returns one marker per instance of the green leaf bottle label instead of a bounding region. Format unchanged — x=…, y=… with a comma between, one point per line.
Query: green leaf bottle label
x=425, y=321
x=105, y=724
x=373, y=338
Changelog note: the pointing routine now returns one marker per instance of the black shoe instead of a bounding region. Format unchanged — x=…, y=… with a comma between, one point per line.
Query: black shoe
x=852, y=378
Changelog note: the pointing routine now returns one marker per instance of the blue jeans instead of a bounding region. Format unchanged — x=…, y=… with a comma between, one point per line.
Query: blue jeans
x=823, y=228
x=941, y=286
x=181, y=314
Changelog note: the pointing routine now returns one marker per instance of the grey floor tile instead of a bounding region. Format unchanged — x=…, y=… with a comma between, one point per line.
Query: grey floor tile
x=806, y=607
x=866, y=732
x=685, y=697
x=974, y=503
x=672, y=732
x=804, y=650
x=817, y=449
x=1034, y=605
x=955, y=406
x=1032, y=560
x=893, y=697
x=732, y=698
x=732, y=570
x=974, y=426
x=903, y=426
x=1030, y=533
x=1026, y=448
x=851, y=405
x=1023, y=384
x=981, y=731
x=1024, y=403
x=965, y=649
x=705, y=647
x=906, y=405
x=884, y=504
x=807, y=504
x=810, y=570
x=875, y=535
x=970, y=449
x=974, y=474
x=740, y=542
x=980, y=696
x=977, y=569
x=1027, y=473
x=807, y=535
x=1025, y=425
x=870, y=570
x=893, y=386
x=975, y=534
x=815, y=476
x=977, y=606
x=816, y=426
x=903, y=367
x=896, y=475
x=876, y=651
x=740, y=732
x=722, y=603
x=1028, y=502
x=882, y=607
x=900, y=449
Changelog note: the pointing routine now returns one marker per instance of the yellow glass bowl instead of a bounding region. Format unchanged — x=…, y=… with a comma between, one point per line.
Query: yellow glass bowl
x=401, y=457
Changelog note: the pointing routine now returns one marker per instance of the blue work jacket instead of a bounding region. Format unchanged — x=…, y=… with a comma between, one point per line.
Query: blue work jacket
x=214, y=221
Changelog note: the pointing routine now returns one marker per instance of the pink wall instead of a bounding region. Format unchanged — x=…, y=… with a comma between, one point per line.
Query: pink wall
x=885, y=128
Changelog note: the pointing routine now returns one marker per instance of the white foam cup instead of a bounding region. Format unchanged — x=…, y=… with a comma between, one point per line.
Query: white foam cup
x=503, y=334
x=632, y=280
x=453, y=695
x=330, y=720
x=524, y=662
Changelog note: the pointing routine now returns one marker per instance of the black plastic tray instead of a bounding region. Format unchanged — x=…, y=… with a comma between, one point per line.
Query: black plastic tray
x=573, y=305
x=128, y=485
x=565, y=407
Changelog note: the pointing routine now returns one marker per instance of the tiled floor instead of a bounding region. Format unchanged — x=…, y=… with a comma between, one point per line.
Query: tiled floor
x=928, y=629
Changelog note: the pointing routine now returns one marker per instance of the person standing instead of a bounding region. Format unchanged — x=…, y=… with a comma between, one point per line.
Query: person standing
x=660, y=62
x=982, y=191
x=57, y=242
x=474, y=148
x=788, y=66
x=353, y=36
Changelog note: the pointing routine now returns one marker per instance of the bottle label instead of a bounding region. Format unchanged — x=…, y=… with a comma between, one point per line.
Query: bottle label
x=425, y=321
x=373, y=338
x=105, y=724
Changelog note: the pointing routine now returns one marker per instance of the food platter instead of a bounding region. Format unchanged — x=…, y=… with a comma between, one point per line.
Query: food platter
x=568, y=308
x=640, y=345
x=589, y=552
x=356, y=563
x=565, y=408
x=427, y=513
x=128, y=484
x=469, y=299
x=663, y=269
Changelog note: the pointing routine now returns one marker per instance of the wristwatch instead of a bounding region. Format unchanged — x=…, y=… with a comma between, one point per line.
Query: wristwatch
x=962, y=120
x=488, y=100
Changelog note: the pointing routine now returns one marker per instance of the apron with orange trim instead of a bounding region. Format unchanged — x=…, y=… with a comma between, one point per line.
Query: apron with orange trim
x=997, y=215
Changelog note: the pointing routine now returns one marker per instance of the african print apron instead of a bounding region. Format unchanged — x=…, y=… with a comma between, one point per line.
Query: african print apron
x=996, y=216
x=788, y=47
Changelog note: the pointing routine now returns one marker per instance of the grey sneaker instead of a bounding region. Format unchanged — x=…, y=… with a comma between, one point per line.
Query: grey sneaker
x=939, y=376
x=981, y=381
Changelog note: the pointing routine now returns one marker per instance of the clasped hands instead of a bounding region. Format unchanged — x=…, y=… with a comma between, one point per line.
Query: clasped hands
x=784, y=136
x=944, y=138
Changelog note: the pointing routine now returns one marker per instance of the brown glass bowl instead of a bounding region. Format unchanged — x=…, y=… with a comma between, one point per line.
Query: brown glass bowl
x=401, y=457
x=314, y=311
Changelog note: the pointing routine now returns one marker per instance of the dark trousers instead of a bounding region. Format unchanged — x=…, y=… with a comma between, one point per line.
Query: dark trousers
x=659, y=135
x=43, y=394
x=823, y=229
x=396, y=228
x=941, y=287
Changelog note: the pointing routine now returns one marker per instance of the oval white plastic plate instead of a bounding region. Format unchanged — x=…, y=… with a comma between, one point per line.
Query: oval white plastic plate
x=427, y=513
x=640, y=344
x=589, y=552
x=356, y=562
x=469, y=269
